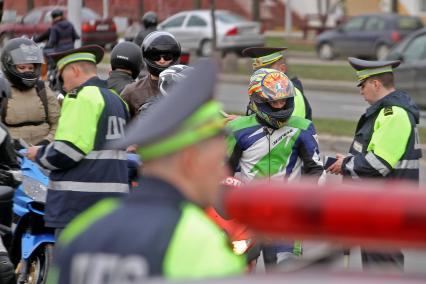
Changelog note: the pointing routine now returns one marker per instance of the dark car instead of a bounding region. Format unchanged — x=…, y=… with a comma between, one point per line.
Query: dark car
x=94, y=29
x=370, y=36
x=410, y=75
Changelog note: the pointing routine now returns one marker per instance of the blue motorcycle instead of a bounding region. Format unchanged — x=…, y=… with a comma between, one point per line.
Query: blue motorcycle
x=32, y=244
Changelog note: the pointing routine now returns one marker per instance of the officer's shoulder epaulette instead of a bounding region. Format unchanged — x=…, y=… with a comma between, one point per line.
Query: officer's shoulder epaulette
x=74, y=93
x=388, y=111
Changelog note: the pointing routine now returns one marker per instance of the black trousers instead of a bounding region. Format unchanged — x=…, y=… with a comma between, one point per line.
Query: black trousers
x=378, y=260
x=269, y=255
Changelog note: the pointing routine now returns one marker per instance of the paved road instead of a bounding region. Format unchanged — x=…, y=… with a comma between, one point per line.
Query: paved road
x=324, y=104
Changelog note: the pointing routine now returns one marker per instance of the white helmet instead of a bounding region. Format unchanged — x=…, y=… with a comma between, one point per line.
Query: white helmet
x=171, y=76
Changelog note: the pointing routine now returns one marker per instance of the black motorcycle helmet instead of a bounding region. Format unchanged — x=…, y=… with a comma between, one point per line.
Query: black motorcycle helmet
x=127, y=55
x=21, y=51
x=160, y=44
x=149, y=19
x=56, y=13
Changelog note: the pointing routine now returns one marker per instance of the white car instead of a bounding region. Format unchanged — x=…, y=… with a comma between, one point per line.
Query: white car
x=193, y=29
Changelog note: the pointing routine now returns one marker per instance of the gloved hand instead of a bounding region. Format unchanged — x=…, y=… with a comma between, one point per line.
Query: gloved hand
x=9, y=177
x=20, y=144
x=43, y=142
x=7, y=271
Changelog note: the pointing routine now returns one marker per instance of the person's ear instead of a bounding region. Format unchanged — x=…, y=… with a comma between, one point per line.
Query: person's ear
x=188, y=160
x=377, y=85
x=283, y=68
x=76, y=70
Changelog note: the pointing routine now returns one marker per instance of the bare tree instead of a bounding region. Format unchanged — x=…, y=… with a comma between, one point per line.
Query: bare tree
x=394, y=7
x=213, y=9
x=323, y=12
x=1, y=9
x=197, y=4
x=30, y=5
x=141, y=8
x=255, y=10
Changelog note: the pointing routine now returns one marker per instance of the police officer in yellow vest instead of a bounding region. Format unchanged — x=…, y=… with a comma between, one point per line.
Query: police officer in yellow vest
x=386, y=142
x=82, y=170
x=273, y=58
x=160, y=229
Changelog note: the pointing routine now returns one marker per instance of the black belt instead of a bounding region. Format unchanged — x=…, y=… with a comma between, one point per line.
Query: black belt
x=26, y=123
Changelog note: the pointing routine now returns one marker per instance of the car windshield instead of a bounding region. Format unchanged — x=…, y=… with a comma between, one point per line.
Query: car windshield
x=88, y=15
x=408, y=23
x=230, y=18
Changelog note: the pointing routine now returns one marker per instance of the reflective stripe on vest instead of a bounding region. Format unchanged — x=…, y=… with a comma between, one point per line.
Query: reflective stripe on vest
x=68, y=151
x=89, y=186
x=107, y=155
x=407, y=164
x=350, y=167
x=43, y=159
x=377, y=164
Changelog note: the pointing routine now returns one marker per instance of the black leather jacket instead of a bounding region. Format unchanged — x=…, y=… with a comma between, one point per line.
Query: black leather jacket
x=7, y=151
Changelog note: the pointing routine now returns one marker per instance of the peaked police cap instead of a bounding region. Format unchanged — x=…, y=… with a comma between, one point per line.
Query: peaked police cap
x=92, y=53
x=263, y=56
x=366, y=68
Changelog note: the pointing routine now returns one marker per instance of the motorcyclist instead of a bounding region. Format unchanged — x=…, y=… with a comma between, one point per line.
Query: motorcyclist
x=9, y=178
x=272, y=143
x=160, y=50
x=126, y=63
x=149, y=21
x=32, y=111
x=60, y=36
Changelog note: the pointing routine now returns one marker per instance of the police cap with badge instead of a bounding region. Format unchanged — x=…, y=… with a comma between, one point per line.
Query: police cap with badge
x=185, y=117
x=264, y=56
x=92, y=53
x=365, y=68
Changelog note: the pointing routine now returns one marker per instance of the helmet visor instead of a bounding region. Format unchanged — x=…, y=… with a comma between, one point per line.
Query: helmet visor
x=27, y=54
x=158, y=56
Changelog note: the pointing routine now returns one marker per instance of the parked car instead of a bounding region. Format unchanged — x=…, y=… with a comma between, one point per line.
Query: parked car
x=94, y=29
x=371, y=36
x=193, y=29
x=410, y=75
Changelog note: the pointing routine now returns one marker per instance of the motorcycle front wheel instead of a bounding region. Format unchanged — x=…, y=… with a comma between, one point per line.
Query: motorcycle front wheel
x=39, y=264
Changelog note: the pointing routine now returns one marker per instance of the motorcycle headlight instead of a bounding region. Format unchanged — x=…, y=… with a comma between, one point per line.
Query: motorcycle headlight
x=240, y=247
x=34, y=189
